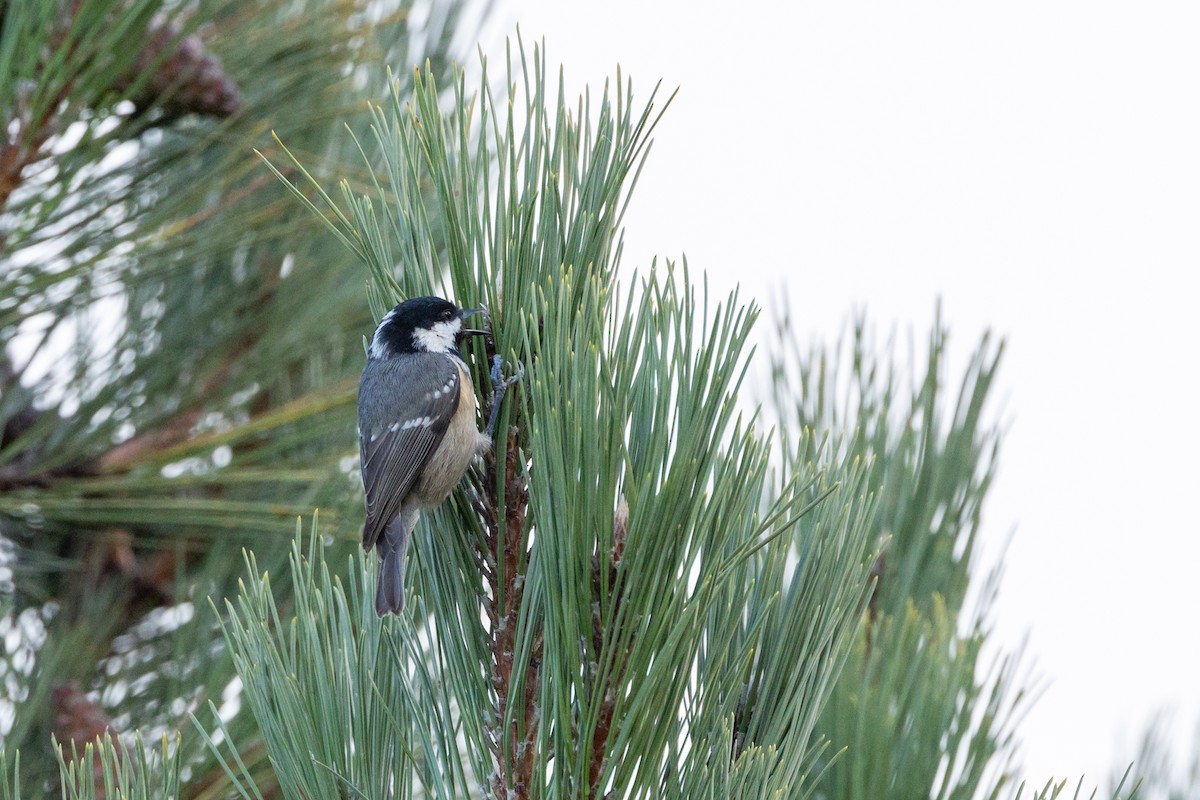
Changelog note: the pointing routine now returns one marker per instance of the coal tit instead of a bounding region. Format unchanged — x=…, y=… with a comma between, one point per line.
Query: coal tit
x=416, y=428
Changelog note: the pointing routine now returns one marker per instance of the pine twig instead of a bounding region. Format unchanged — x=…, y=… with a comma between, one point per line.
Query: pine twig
x=608, y=705
x=514, y=767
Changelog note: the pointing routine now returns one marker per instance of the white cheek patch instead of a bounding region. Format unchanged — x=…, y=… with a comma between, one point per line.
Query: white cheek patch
x=440, y=338
x=378, y=348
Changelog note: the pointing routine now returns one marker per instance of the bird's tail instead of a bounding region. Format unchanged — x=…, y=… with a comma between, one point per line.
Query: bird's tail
x=393, y=548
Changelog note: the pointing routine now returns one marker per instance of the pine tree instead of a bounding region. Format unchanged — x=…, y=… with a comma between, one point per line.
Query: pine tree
x=648, y=589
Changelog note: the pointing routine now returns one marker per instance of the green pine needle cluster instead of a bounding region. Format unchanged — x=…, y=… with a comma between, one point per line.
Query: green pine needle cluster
x=623, y=653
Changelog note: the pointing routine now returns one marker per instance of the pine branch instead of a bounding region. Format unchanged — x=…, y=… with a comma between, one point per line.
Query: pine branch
x=505, y=540
x=180, y=427
x=598, y=747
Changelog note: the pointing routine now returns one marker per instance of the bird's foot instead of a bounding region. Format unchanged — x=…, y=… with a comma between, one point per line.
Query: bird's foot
x=500, y=386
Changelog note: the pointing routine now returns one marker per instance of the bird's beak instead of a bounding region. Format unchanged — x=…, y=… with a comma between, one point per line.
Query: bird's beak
x=470, y=312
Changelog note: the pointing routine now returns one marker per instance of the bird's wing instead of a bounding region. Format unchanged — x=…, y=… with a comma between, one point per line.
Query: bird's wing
x=397, y=439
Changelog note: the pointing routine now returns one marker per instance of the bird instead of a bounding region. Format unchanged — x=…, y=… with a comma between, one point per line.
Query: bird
x=416, y=427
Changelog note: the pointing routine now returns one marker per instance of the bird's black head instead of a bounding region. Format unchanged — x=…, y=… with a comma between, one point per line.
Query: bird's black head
x=420, y=325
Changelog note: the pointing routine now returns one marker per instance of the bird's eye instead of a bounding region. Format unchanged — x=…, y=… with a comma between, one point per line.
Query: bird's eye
x=448, y=314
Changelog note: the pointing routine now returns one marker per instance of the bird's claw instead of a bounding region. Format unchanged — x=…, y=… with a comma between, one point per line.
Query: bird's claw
x=500, y=385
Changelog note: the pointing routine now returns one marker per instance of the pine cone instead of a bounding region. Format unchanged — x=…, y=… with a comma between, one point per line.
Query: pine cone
x=188, y=79
x=79, y=722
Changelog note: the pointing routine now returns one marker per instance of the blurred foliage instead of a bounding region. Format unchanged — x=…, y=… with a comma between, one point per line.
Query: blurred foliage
x=1125, y=786
x=1163, y=774
x=915, y=694
x=925, y=706
x=181, y=339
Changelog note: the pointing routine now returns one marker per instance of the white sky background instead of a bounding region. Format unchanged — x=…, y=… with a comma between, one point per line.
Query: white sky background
x=1037, y=166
